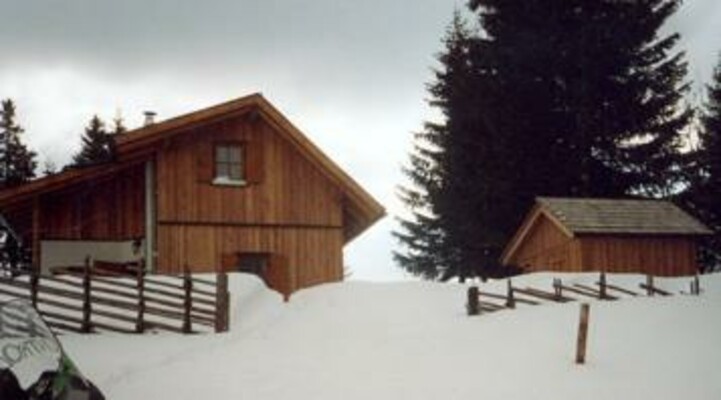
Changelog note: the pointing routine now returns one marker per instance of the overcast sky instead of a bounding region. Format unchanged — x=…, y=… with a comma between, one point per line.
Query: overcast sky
x=350, y=74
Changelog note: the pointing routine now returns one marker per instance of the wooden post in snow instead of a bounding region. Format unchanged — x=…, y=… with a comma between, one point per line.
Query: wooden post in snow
x=582, y=334
x=510, y=300
x=140, y=283
x=696, y=286
x=649, y=285
x=602, y=286
x=472, y=305
x=34, y=282
x=188, y=300
x=86, y=326
x=221, y=302
x=557, y=289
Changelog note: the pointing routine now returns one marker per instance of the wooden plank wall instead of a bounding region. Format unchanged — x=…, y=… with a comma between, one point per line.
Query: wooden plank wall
x=108, y=209
x=111, y=208
x=661, y=256
x=546, y=246
x=289, y=191
x=314, y=255
x=287, y=208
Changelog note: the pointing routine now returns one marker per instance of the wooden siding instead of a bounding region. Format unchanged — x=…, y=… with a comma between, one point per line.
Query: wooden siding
x=287, y=189
x=288, y=208
x=312, y=256
x=108, y=209
x=547, y=247
x=664, y=256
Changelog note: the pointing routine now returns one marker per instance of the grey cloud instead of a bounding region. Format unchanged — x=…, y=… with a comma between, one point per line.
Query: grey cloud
x=312, y=36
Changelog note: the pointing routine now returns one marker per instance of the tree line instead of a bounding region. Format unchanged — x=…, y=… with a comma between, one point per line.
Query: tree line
x=18, y=164
x=569, y=98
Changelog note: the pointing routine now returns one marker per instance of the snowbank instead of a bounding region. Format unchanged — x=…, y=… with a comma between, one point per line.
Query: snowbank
x=361, y=340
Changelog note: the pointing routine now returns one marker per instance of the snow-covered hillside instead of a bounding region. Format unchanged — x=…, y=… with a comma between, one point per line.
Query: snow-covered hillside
x=413, y=341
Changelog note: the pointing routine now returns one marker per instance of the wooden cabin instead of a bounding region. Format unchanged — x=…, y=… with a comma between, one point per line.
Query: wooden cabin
x=234, y=186
x=580, y=235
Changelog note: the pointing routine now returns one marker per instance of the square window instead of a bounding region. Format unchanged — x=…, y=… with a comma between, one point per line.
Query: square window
x=229, y=168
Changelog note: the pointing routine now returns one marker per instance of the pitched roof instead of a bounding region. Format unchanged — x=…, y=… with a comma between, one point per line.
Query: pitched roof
x=588, y=216
x=622, y=216
x=363, y=210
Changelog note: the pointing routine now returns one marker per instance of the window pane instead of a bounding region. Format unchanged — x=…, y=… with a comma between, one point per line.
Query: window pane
x=235, y=154
x=221, y=153
x=221, y=170
x=235, y=172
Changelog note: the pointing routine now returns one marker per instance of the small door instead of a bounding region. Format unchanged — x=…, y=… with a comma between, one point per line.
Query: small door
x=254, y=263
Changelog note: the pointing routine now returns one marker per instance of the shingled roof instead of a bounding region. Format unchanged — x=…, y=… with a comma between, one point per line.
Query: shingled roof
x=621, y=216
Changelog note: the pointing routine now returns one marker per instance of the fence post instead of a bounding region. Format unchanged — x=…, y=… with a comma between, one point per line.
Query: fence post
x=696, y=284
x=226, y=309
x=649, y=285
x=188, y=301
x=557, y=289
x=34, y=281
x=472, y=305
x=87, y=308
x=582, y=334
x=140, y=280
x=510, y=301
x=221, y=302
x=602, y=286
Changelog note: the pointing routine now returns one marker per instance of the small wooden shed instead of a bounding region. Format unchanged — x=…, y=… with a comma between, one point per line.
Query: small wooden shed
x=580, y=234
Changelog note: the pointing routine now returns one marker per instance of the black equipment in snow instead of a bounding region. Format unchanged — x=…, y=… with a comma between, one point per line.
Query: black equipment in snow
x=14, y=256
x=33, y=364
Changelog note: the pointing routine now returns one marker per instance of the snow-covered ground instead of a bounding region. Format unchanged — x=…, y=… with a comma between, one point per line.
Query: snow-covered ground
x=412, y=340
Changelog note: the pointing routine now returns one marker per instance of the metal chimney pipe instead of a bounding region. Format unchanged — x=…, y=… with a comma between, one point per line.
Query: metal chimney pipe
x=149, y=117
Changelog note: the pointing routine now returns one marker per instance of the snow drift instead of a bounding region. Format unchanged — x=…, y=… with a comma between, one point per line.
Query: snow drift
x=359, y=340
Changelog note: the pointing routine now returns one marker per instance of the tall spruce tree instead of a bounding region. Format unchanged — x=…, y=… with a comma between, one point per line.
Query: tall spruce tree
x=704, y=195
x=97, y=144
x=563, y=98
x=591, y=95
x=424, y=236
x=458, y=171
x=17, y=162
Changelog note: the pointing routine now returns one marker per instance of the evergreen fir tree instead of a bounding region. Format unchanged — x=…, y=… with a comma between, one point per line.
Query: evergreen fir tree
x=424, y=236
x=591, y=95
x=17, y=162
x=97, y=145
x=704, y=195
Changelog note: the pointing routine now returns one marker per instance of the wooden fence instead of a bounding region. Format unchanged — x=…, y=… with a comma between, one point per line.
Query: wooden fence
x=479, y=302
x=88, y=299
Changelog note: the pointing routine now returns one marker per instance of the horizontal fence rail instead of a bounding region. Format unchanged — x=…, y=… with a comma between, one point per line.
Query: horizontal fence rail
x=88, y=299
x=478, y=302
